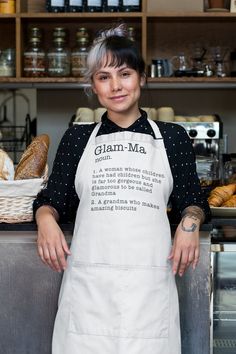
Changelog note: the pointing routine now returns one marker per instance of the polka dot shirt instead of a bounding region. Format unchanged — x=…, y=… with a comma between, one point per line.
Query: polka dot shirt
x=60, y=192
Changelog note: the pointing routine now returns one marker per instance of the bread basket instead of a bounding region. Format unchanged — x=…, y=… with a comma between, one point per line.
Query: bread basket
x=16, y=198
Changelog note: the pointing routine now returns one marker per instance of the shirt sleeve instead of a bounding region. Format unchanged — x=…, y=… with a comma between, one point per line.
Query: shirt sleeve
x=187, y=190
x=60, y=192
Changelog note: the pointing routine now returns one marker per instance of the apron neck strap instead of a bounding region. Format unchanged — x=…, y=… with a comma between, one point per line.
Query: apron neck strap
x=155, y=129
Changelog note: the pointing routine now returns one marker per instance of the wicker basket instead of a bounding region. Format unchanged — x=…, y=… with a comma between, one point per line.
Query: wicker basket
x=16, y=199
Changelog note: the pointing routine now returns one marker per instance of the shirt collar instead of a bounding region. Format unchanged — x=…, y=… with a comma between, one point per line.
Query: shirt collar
x=110, y=126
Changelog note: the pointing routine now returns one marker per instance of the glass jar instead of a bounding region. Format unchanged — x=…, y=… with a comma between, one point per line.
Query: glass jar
x=7, y=62
x=94, y=5
x=111, y=5
x=35, y=32
x=82, y=32
x=34, y=59
x=208, y=171
x=59, y=32
x=55, y=5
x=131, y=5
x=230, y=169
x=59, y=59
x=79, y=57
x=131, y=33
x=74, y=5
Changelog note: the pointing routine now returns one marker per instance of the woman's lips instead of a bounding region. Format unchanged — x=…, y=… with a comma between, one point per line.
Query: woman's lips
x=118, y=98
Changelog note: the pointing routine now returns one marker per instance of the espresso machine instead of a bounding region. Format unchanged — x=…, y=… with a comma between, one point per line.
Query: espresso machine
x=206, y=136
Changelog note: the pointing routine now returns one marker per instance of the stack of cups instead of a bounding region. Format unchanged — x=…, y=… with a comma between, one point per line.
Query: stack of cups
x=165, y=114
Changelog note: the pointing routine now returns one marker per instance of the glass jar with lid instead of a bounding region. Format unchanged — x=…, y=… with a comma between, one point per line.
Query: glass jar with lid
x=230, y=169
x=111, y=5
x=34, y=59
x=7, y=62
x=131, y=5
x=82, y=32
x=131, y=33
x=55, y=5
x=94, y=5
x=59, y=32
x=35, y=32
x=74, y=5
x=208, y=171
x=59, y=58
x=79, y=57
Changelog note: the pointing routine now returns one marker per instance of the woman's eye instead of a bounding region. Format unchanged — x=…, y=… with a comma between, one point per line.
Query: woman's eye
x=125, y=73
x=102, y=78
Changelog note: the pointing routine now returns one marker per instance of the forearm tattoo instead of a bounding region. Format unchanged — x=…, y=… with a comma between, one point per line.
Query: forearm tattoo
x=194, y=213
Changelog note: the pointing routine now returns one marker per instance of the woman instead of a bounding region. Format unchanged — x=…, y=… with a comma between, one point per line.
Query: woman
x=118, y=293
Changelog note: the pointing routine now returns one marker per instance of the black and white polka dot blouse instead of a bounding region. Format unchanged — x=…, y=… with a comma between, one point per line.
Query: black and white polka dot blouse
x=60, y=192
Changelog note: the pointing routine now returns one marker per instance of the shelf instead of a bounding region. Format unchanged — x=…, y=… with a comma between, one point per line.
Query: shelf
x=160, y=83
x=7, y=16
x=68, y=15
x=192, y=83
x=192, y=15
x=167, y=14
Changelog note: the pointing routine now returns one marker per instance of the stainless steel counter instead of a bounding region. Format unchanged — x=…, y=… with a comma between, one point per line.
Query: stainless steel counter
x=29, y=291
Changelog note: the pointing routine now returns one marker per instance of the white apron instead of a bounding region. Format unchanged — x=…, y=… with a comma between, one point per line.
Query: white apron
x=118, y=294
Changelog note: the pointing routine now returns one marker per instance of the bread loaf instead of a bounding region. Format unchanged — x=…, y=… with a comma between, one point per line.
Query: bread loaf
x=231, y=202
x=219, y=195
x=34, y=159
x=6, y=166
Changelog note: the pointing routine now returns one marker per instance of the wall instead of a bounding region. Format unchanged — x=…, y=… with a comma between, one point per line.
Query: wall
x=56, y=107
x=25, y=102
x=14, y=106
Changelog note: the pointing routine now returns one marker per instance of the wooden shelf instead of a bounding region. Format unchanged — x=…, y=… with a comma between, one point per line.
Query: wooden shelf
x=97, y=15
x=157, y=83
x=191, y=15
x=154, y=33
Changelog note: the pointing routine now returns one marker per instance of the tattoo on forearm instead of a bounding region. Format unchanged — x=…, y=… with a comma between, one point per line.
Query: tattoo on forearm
x=194, y=211
x=191, y=228
x=196, y=214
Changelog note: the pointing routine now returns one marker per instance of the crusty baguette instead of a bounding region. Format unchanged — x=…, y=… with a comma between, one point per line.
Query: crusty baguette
x=231, y=202
x=6, y=166
x=34, y=159
x=219, y=195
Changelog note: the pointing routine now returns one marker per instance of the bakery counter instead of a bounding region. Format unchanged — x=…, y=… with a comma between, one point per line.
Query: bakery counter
x=223, y=230
x=29, y=292
x=26, y=226
x=65, y=227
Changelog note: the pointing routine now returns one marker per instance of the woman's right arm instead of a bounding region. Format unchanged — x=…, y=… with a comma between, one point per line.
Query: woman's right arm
x=52, y=246
x=59, y=199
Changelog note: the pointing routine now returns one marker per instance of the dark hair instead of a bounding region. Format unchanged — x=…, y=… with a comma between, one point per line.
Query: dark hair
x=124, y=51
x=117, y=49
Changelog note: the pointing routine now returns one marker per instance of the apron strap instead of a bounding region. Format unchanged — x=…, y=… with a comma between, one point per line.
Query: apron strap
x=155, y=129
x=94, y=132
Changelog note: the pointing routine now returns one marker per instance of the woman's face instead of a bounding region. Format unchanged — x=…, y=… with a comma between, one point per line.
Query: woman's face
x=118, y=88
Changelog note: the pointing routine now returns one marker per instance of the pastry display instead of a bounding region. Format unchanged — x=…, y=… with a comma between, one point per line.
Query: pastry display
x=231, y=202
x=219, y=196
x=34, y=159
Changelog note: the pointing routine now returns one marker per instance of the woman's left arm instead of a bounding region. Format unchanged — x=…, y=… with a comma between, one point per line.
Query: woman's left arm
x=185, y=250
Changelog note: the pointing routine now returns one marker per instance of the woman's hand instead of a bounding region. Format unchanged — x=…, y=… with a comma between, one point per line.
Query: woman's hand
x=52, y=246
x=186, y=249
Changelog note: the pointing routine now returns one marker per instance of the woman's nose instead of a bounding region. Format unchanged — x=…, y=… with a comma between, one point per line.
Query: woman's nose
x=116, y=84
